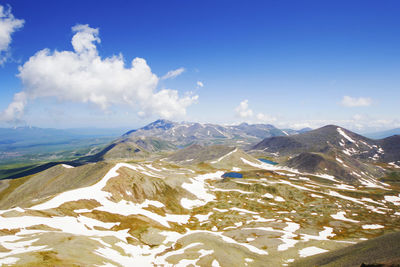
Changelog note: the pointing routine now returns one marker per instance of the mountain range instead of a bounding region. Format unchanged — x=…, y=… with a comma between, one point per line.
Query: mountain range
x=335, y=151
x=318, y=151
x=185, y=133
x=335, y=138
x=190, y=194
x=164, y=135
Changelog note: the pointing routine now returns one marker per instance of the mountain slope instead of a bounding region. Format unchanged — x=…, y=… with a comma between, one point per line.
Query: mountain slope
x=158, y=213
x=123, y=150
x=335, y=151
x=51, y=181
x=196, y=153
x=315, y=141
x=130, y=148
x=163, y=135
x=381, y=250
x=339, y=166
x=391, y=148
x=319, y=163
x=217, y=156
x=333, y=137
x=187, y=133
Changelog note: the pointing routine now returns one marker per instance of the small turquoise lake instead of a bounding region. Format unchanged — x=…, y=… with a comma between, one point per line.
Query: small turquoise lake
x=268, y=161
x=232, y=175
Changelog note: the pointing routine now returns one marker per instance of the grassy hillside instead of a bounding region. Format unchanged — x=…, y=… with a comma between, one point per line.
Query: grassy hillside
x=381, y=250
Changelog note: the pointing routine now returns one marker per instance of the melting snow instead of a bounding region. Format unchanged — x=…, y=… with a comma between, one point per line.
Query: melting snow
x=202, y=217
x=336, y=194
x=67, y=166
x=221, y=210
x=227, y=155
x=305, y=252
x=243, y=210
x=215, y=263
x=91, y=192
x=372, y=226
x=318, y=196
x=9, y=260
x=345, y=187
x=327, y=176
x=123, y=207
x=340, y=216
x=394, y=199
x=260, y=165
x=338, y=159
x=82, y=210
x=323, y=235
x=394, y=165
x=197, y=188
x=345, y=135
x=292, y=227
x=268, y=195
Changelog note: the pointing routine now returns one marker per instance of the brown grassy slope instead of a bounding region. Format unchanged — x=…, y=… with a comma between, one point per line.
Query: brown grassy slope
x=383, y=249
x=22, y=192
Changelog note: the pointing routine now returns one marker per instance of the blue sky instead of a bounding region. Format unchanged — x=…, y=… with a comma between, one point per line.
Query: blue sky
x=289, y=63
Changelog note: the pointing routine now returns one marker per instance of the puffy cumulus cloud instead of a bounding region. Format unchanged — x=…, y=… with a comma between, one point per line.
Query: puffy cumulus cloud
x=358, y=117
x=173, y=73
x=8, y=25
x=349, y=101
x=261, y=117
x=82, y=76
x=243, y=110
x=15, y=110
x=85, y=39
x=199, y=84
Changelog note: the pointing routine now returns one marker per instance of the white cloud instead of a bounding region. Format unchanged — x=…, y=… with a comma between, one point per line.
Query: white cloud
x=173, y=73
x=82, y=76
x=8, y=25
x=261, y=117
x=85, y=39
x=349, y=101
x=15, y=110
x=200, y=84
x=358, y=123
x=357, y=117
x=243, y=110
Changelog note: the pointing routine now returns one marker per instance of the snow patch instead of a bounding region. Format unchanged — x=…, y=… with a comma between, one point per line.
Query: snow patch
x=305, y=252
x=340, y=216
x=227, y=155
x=67, y=166
x=372, y=226
x=394, y=199
x=197, y=187
x=345, y=135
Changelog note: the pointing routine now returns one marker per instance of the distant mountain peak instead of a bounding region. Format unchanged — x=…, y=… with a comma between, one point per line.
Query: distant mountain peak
x=186, y=133
x=306, y=129
x=159, y=124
